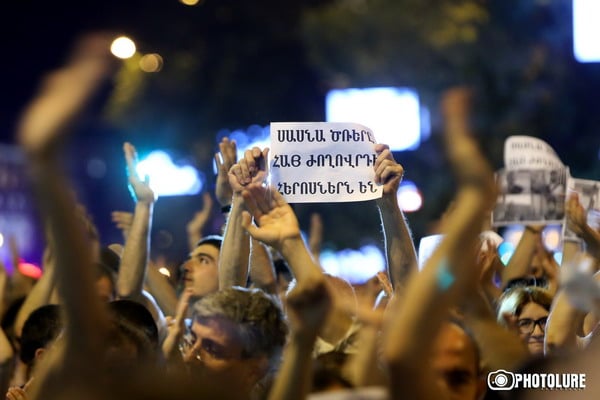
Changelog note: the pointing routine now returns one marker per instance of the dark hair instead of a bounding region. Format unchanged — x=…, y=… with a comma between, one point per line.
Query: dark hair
x=129, y=341
x=137, y=315
x=109, y=258
x=259, y=320
x=213, y=240
x=41, y=327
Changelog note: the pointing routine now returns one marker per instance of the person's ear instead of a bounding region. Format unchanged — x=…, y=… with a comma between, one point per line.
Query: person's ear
x=39, y=354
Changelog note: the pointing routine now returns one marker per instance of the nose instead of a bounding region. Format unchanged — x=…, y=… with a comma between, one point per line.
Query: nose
x=537, y=330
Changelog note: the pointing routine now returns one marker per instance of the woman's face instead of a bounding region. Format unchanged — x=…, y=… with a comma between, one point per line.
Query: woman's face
x=532, y=327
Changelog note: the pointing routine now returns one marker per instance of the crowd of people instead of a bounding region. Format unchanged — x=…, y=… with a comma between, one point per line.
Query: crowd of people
x=256, y=317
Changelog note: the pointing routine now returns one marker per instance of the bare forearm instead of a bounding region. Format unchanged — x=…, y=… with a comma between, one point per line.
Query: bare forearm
x=235, y=250
x=262, y=273
x=135, y=253
x=162, y=290
x=74, y=273
x=39, y=296
x=400, y=250
x=420, y=316
x=299, y=259
x=293, y=380
x=521, y=259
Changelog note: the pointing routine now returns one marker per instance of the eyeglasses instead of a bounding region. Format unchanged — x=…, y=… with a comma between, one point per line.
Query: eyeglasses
x=186, y=345
x=527, y=325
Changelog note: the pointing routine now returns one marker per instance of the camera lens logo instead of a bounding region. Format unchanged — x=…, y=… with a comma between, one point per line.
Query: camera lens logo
x=501, y=380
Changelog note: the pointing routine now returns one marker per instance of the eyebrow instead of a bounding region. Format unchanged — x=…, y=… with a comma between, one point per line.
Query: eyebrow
x=203, y=255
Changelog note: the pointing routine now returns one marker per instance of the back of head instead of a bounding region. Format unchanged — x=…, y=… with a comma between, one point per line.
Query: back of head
x=259, y=320
x=136, y=314
x=41, y=327
x=131, y=341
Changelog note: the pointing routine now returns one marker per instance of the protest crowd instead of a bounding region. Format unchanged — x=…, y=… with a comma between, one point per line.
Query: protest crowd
x=256, y=317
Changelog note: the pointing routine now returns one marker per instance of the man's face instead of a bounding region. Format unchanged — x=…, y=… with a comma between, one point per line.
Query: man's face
x=200, y=272
x=217, y=354
x=455, y=364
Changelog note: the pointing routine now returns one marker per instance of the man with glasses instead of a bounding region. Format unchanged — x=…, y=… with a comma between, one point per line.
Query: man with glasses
x=236, y=338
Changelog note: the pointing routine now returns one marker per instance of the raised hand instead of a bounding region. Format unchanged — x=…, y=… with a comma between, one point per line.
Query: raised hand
x=576, y=215
x=140, y=190
x=252, y=168
x=387, y=171
x=225, y=159
x=123, y=221
x=308, y=305
x=201, y=217
x=275, y=218
x=468, y=163
x=63, y=95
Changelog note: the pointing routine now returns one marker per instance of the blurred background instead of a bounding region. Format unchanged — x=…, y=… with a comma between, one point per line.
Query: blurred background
x=206, y=69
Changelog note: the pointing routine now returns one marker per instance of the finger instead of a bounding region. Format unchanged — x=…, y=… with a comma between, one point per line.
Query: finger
x=236, y=170
x=245, y=172
x=264, y=160
x=251, y=205
x=250, y=157
x=384, y=155
x=278, y=199
x=228, y=152
x=391, y=173
x=256, y=153
x=130, y=157
x=379, y=147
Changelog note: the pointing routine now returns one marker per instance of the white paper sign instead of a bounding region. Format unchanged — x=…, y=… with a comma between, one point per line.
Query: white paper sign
x=532, y=185
x=526, y=152
x=318, y=162
x=589, y=197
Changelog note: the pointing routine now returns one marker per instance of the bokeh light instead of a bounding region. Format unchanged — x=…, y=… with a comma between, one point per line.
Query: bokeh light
x=123, y=47
x=409, y=197
x=168, y=179
x=355, y=266
x=151, y=62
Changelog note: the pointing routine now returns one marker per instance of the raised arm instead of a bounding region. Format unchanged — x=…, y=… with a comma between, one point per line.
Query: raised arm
x=278, y=227
x=40, y=293
x=307, y=307
x=262, y=272
x=399, y=247
x=430, y=293
x=196, y=224
x=520, y=262
x=577, y=222
x=42, y=126
x=235, y=250
x=135, y=253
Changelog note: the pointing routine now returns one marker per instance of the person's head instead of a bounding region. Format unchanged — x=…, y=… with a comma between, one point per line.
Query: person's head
x=136, y=314
x=41, y=328
x=105, y=282
x=128, y=344
x=455, y=362
x=530, y=305
x=200, y=271
x=237, y=335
